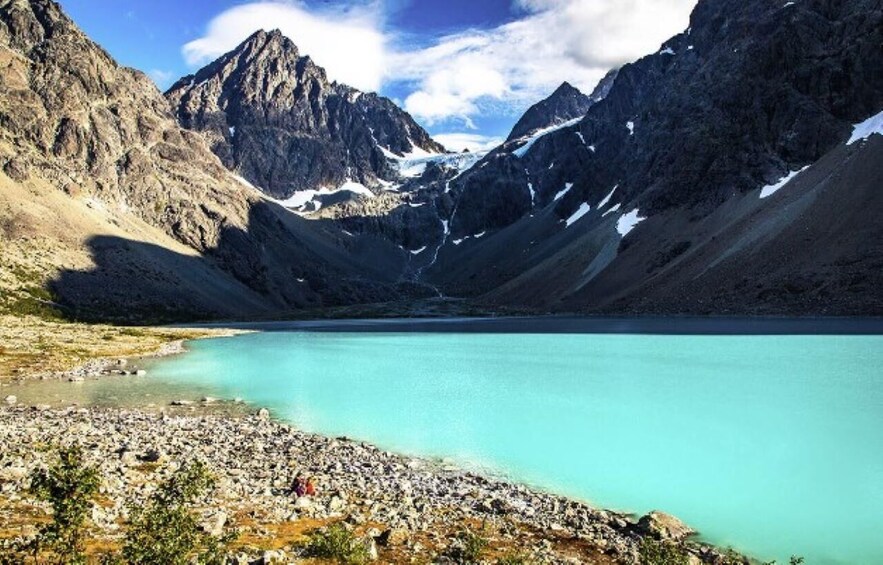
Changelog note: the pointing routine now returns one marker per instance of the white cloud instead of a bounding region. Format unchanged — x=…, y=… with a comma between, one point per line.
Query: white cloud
x=518, y=63
x=458, y=141
x=467, y=74
x=348, y=43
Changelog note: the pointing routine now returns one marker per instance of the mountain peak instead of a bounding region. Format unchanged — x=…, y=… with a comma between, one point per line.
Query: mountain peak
x=565, y=89
x=265, y=93
x=566, y=103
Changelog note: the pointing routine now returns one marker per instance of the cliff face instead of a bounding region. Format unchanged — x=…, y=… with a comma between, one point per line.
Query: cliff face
x=272, y=116
x=72, y=120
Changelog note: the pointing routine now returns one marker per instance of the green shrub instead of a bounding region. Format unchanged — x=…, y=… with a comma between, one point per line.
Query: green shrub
x=69, y=487
x=654, y=552
x=337, y=543
x=166, y=532
x=468, y=547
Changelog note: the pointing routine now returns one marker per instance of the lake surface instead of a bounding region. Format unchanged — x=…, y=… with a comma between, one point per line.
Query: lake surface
x=770, y=443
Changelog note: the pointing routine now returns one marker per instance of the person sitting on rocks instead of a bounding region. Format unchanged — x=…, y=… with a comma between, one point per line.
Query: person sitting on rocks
x=299, y=487
x=310, y=487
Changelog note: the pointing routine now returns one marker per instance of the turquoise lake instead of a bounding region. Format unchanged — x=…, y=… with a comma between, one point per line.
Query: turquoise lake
x=770, y=444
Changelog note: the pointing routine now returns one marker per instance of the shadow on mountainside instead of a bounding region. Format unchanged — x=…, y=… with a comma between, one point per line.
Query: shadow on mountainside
x=280, y=264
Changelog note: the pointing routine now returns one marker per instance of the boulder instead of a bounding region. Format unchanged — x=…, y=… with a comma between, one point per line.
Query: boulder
x=664, y=527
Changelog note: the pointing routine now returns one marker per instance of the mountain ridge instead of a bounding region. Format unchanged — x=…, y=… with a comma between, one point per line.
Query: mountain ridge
x=273, y=117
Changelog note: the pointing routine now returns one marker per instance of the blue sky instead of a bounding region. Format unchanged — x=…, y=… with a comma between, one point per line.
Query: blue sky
x=465, y=69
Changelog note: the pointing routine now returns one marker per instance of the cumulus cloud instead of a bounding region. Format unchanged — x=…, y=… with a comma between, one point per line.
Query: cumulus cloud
x=460, y=76
x=458, y=141
x=518, y=63
x=348, y=42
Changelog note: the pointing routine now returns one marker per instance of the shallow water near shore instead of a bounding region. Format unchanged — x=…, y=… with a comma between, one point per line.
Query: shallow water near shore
x=771, y=444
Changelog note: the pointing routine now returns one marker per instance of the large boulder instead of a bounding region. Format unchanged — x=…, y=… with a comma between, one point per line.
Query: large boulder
x=664, y=527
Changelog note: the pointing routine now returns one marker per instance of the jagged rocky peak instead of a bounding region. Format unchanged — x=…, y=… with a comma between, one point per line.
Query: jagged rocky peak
x=566, y=103
x=273, y=117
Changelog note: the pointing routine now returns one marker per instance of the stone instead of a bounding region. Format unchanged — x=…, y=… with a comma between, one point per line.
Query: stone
x=393, y=537
x=372, y=549
x=151, y=456
x=263, y=414
x=10, y=399
x=214, y=523
x=664, y=527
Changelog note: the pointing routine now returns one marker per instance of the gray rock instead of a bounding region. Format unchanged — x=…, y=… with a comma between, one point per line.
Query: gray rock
x=664, y=527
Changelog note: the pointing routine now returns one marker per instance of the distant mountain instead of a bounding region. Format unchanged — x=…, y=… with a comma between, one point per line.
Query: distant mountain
x=606, y=213
x=563, y=105
x=272, y=116
x=107, y=202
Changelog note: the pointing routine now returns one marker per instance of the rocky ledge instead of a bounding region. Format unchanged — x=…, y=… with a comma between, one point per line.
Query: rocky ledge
x=411, y=507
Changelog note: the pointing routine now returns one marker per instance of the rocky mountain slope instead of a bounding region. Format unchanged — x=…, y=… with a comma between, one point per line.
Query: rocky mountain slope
x=606, y=213
x=272, y=116
x=119, y=212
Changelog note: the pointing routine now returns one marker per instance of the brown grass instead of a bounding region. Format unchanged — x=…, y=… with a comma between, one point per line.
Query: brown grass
x=34, y=346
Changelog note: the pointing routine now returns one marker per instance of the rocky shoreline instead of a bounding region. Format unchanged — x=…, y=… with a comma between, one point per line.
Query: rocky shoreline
x=410, y=507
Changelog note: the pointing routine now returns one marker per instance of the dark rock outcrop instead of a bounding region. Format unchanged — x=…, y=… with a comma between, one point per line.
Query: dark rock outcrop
x=273, y=116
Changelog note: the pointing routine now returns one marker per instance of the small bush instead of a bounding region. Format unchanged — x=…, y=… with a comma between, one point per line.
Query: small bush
x=337, y=543
x=468, y=548
x=69, y=487
x=654, y=552
x=166, y=532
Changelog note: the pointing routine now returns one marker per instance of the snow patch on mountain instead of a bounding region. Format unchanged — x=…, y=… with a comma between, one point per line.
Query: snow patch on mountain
x=771, y=189
x=606, y=199
x=867, y=128
x=560, y=194
x=583, y=209
x=530, y=140
x=627, y=222
x=310, y=200
x=612, y=209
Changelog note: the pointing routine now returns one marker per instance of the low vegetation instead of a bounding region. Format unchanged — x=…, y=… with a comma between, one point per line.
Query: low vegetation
x=69, y=487
x=337, y=543
x=468, y=548
x=164, y=531
x=654, y=552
